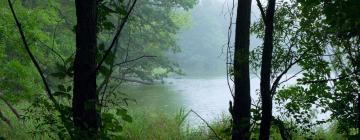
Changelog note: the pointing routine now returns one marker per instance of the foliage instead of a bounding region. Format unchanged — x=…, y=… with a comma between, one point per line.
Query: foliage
x=325, y=55
x=49, y=30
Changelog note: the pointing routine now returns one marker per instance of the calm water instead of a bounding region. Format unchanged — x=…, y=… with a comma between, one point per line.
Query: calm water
x=209, y=97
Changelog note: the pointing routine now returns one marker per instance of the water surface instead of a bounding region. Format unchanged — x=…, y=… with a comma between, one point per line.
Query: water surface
x=209, y=97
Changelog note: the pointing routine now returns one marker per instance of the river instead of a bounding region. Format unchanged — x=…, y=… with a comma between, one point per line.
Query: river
x=209, y=97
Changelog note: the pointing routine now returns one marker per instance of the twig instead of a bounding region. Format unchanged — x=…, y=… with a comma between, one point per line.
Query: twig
x=135, y=59
x=293, y=76
x=207, y=124
x=116, y=37
x=5, y=119
x=10, y=106
x=53, y=51
x=278, y=78
x=228, y=50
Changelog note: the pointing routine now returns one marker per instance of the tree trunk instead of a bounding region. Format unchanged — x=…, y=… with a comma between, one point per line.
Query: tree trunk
x=283, y=133
x=85, y=116
x=266, y=98
x=242, y=101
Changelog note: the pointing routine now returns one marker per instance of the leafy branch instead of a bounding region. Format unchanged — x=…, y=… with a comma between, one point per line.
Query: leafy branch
x=38, y=68
x=117, y=35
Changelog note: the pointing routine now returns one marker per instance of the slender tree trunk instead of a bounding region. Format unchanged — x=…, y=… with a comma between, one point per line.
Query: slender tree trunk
x=85, y=116
x=242, y=101
x=266, y=98
x=283, y=133
x=358, y=113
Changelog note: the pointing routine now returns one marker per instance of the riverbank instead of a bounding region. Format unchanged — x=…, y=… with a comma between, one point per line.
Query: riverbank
x=157, y=125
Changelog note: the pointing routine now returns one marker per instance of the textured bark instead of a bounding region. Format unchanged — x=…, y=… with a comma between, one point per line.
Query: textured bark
x=265, y=91
x=242, y=101
x=85, y=116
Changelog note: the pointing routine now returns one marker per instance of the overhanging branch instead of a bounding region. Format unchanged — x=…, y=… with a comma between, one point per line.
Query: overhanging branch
x=116, y=37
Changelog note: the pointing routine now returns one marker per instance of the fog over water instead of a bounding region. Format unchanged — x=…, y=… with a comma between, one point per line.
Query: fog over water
x=203, y=87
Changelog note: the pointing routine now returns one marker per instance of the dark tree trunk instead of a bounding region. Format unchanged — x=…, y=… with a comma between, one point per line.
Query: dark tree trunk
x=283, y=133
x=242, y=101
x=84, y=101
x=266, y=98
x=358, y=112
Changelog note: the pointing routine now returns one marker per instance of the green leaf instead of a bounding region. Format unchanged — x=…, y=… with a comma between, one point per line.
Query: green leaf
x=110, y=58
x=68, y=89
x=104, y=70
x=62, y=94
x=62, y=88
x=101, y=47
x=121, y=112
x=127, y=118
x=59, y=75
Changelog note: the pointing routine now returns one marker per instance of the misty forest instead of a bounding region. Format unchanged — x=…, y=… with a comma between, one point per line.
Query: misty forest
x=180, y=69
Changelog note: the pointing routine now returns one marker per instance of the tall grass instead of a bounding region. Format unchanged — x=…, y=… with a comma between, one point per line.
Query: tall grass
x=152, y=124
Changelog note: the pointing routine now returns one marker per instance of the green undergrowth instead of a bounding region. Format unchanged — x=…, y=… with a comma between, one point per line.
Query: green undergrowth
x=150, y=124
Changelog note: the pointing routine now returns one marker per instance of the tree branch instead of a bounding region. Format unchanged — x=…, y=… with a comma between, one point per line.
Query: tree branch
x=38, y=68
x=32, y=57
x=5, y=119
x=116, y=37
x=135, y=59
x=261, y=10
x=325, y=80
x=132, y=80
x=278, y=78
x=10, y=106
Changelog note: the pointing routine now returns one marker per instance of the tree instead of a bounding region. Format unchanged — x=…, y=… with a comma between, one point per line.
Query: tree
x=320, y=47
x=59, y=69
x=265, y=87
x=240, y=111
x=285, y=55
x=85, y=116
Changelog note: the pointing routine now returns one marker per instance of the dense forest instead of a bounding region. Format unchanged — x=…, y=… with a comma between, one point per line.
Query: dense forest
x=180, y=69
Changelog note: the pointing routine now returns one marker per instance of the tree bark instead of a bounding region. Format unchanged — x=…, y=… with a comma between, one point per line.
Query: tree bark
x=242, y=101
x=265, y=91
x=85, y=116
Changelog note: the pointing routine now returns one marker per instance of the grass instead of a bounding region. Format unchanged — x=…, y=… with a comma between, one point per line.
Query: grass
x=153, y=124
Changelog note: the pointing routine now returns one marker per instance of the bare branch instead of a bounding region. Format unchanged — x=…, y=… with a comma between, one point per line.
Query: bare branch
x=135, y=59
